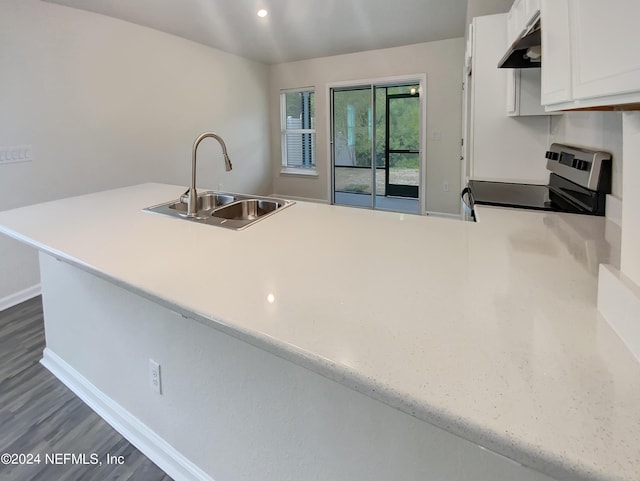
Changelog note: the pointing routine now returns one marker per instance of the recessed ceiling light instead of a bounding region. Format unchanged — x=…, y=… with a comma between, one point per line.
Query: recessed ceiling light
x=262, y=13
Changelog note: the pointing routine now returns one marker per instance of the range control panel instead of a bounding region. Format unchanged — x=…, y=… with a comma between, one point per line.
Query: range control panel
x=589, y=168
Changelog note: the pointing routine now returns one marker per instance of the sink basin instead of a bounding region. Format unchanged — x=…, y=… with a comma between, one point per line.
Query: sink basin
x=232, y=211
x=207, y=201
x=247, y=209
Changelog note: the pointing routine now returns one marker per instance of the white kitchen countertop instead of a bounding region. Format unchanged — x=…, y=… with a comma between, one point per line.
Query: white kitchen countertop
x=488, y=330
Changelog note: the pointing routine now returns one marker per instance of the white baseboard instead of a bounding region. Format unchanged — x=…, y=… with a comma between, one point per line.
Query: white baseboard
x=149, y=443
x=18, y=297
x=619, y=304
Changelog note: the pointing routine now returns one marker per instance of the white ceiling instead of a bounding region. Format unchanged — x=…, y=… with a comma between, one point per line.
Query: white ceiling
x=294, y=29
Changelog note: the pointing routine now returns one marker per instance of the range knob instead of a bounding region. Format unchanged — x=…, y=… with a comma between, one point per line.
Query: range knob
x=551, y=155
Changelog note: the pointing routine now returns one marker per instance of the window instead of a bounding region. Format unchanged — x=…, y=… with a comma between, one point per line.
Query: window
x=298, y=127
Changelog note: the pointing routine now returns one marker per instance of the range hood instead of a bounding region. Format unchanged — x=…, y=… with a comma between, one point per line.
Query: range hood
x=525, y=51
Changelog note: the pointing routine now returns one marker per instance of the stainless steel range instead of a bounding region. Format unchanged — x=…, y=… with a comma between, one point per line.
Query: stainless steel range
x=579, y=181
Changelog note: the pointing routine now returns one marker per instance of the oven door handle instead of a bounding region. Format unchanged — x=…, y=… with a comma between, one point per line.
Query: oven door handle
x=468, y=206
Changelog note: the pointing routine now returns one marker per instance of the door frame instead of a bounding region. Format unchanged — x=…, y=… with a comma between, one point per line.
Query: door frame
x=420, y=79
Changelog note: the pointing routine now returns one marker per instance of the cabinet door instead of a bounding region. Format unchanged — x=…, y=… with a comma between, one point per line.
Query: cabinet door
x=556, y=52
x=512, y=24
x=511, y=28
x=513, y=88
x=605, y=47
x=520, y=13
x=532, y=11
x=520, y=17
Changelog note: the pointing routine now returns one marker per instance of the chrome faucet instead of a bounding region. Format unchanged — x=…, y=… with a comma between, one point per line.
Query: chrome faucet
x=192, y=202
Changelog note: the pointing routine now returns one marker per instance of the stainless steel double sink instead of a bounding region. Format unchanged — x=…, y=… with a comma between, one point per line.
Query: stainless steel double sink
x=232, y=211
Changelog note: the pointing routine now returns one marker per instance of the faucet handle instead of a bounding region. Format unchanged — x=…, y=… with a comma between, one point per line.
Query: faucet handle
x=184, y=198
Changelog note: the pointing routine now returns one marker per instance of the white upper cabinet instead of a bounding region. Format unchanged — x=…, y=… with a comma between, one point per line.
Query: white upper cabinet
x=589, y=53
x=514, y=21
x=556, y=53
x=605, y=36
x=532, y=12
x=522, y=15
x=533, y=8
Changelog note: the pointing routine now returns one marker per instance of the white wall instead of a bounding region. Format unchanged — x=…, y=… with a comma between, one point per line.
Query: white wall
x=596, y=130
x=106, y=103
x=442, y=63
x=630, y=255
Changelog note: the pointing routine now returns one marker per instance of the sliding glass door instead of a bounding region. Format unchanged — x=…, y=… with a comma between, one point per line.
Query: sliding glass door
x=376, y=146
x=352, y=146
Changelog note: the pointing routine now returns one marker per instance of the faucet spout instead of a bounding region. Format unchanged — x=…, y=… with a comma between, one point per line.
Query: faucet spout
x=192, y=203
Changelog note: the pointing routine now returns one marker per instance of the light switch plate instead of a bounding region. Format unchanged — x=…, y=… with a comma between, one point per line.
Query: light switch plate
x=155, y=377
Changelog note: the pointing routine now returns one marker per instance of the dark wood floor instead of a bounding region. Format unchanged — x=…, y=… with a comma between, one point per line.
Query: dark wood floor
x=39, y=415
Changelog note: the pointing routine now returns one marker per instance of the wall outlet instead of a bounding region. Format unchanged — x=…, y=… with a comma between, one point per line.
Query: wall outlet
x=445, y=186
x=154, y=376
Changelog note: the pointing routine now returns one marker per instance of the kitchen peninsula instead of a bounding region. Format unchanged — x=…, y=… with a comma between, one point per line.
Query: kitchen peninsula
x=336, y=343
